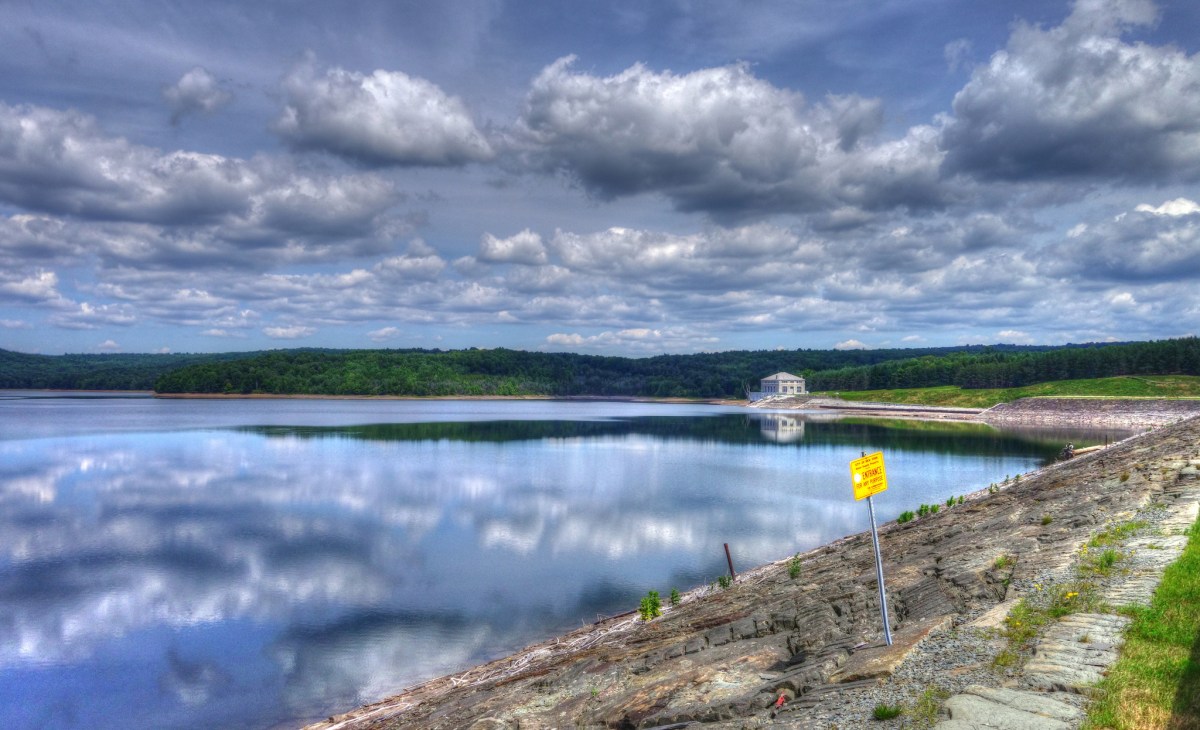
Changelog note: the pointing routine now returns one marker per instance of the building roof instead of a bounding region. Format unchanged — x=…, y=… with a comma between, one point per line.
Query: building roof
x=782, y=376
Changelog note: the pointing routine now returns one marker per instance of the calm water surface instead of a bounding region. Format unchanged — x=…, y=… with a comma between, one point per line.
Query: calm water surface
x=208, y=564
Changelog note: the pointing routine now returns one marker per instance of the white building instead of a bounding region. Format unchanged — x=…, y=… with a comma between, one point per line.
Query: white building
x=779, y=384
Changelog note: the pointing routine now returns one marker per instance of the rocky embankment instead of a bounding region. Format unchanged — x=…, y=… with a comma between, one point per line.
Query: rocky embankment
x=777, y=650
x=1135, y=413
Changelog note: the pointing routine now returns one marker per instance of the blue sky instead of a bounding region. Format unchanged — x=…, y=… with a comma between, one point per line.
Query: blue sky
x=625, y=178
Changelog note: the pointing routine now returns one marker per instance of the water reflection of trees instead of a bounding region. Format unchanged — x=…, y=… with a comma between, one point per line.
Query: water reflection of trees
x=768, y=429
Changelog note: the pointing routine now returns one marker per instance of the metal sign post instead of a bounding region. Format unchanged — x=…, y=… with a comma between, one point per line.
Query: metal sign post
x=869, y=478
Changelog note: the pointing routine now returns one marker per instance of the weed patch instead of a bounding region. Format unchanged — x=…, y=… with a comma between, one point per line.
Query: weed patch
x=925, y=711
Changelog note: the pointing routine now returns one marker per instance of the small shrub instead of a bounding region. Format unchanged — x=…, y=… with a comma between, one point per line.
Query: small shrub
x=905, y=516
x=651, y=606
x=925, y=712
x=923, y=510
x=1004, y=561
x=960, y=499
x=1047, y=519
x=886, y=712
x=1016, y=478
x=992, y=489
x=674, y=596
x=794, y=567
x=724, y=581
x=933, y=509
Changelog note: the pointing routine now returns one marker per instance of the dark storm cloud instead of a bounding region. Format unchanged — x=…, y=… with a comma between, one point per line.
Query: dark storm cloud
x=1077, y=101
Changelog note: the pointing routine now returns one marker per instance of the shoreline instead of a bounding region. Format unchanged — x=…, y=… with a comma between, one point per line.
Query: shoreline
x=573, y=398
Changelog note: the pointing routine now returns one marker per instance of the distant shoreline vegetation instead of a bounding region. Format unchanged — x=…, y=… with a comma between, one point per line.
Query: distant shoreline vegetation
x=503, y=372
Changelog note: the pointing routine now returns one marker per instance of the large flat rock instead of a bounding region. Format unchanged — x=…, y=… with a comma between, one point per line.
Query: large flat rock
x=985, y=708
x=881, y=661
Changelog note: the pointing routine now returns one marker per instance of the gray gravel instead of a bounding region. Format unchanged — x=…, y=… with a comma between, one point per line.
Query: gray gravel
x=948, y=662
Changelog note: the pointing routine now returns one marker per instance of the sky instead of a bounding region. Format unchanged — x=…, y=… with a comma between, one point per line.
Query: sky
x=620, y=177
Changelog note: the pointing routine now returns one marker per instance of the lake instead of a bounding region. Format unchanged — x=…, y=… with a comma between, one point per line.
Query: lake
x=261, y=563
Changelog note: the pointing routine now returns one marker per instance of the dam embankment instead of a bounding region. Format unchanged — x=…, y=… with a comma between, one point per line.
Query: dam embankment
x=1134, y=413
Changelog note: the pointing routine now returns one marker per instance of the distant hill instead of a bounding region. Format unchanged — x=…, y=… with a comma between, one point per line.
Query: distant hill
x=96, y=372
x=705, y=375
x=515, y=372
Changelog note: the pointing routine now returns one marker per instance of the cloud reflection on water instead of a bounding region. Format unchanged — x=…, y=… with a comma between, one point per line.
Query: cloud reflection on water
x=375, y=562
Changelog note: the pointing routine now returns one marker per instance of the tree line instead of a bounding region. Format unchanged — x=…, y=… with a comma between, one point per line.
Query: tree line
x=418, y=372
x=115, y=371
x=501, y=371
x=1013, y=368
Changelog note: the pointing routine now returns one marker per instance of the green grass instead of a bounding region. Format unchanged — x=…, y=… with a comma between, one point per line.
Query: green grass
x=1100, y=562
x=1116, y=534
x=1033, y=613
x=1156, y=682
x=1127, y=386
x=925, y=710
x=886, y=712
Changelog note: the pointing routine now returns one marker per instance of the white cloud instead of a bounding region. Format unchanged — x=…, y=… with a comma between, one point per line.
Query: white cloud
x=384, y=334
x=957, y=53
x=1075, y=101
x=640, y=339
x=525, y=247
x=851, y=344
x=145, y=207
x=1174, y=208
x=722, y=141
x=1122, y=300
x=1149, y=243
x=108, y=346
x=196, y=92
x=1014, y=337
x=385, y=118
x=289, y=333
x=88, y=316
x=35, y=286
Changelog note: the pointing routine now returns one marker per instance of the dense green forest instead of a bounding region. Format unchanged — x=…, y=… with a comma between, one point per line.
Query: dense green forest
x=96, y=372
x=1011, y=369
x=709, y=375
x=516, y=372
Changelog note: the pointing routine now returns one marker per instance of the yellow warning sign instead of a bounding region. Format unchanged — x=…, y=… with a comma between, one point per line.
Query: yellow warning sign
x=868, y=475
